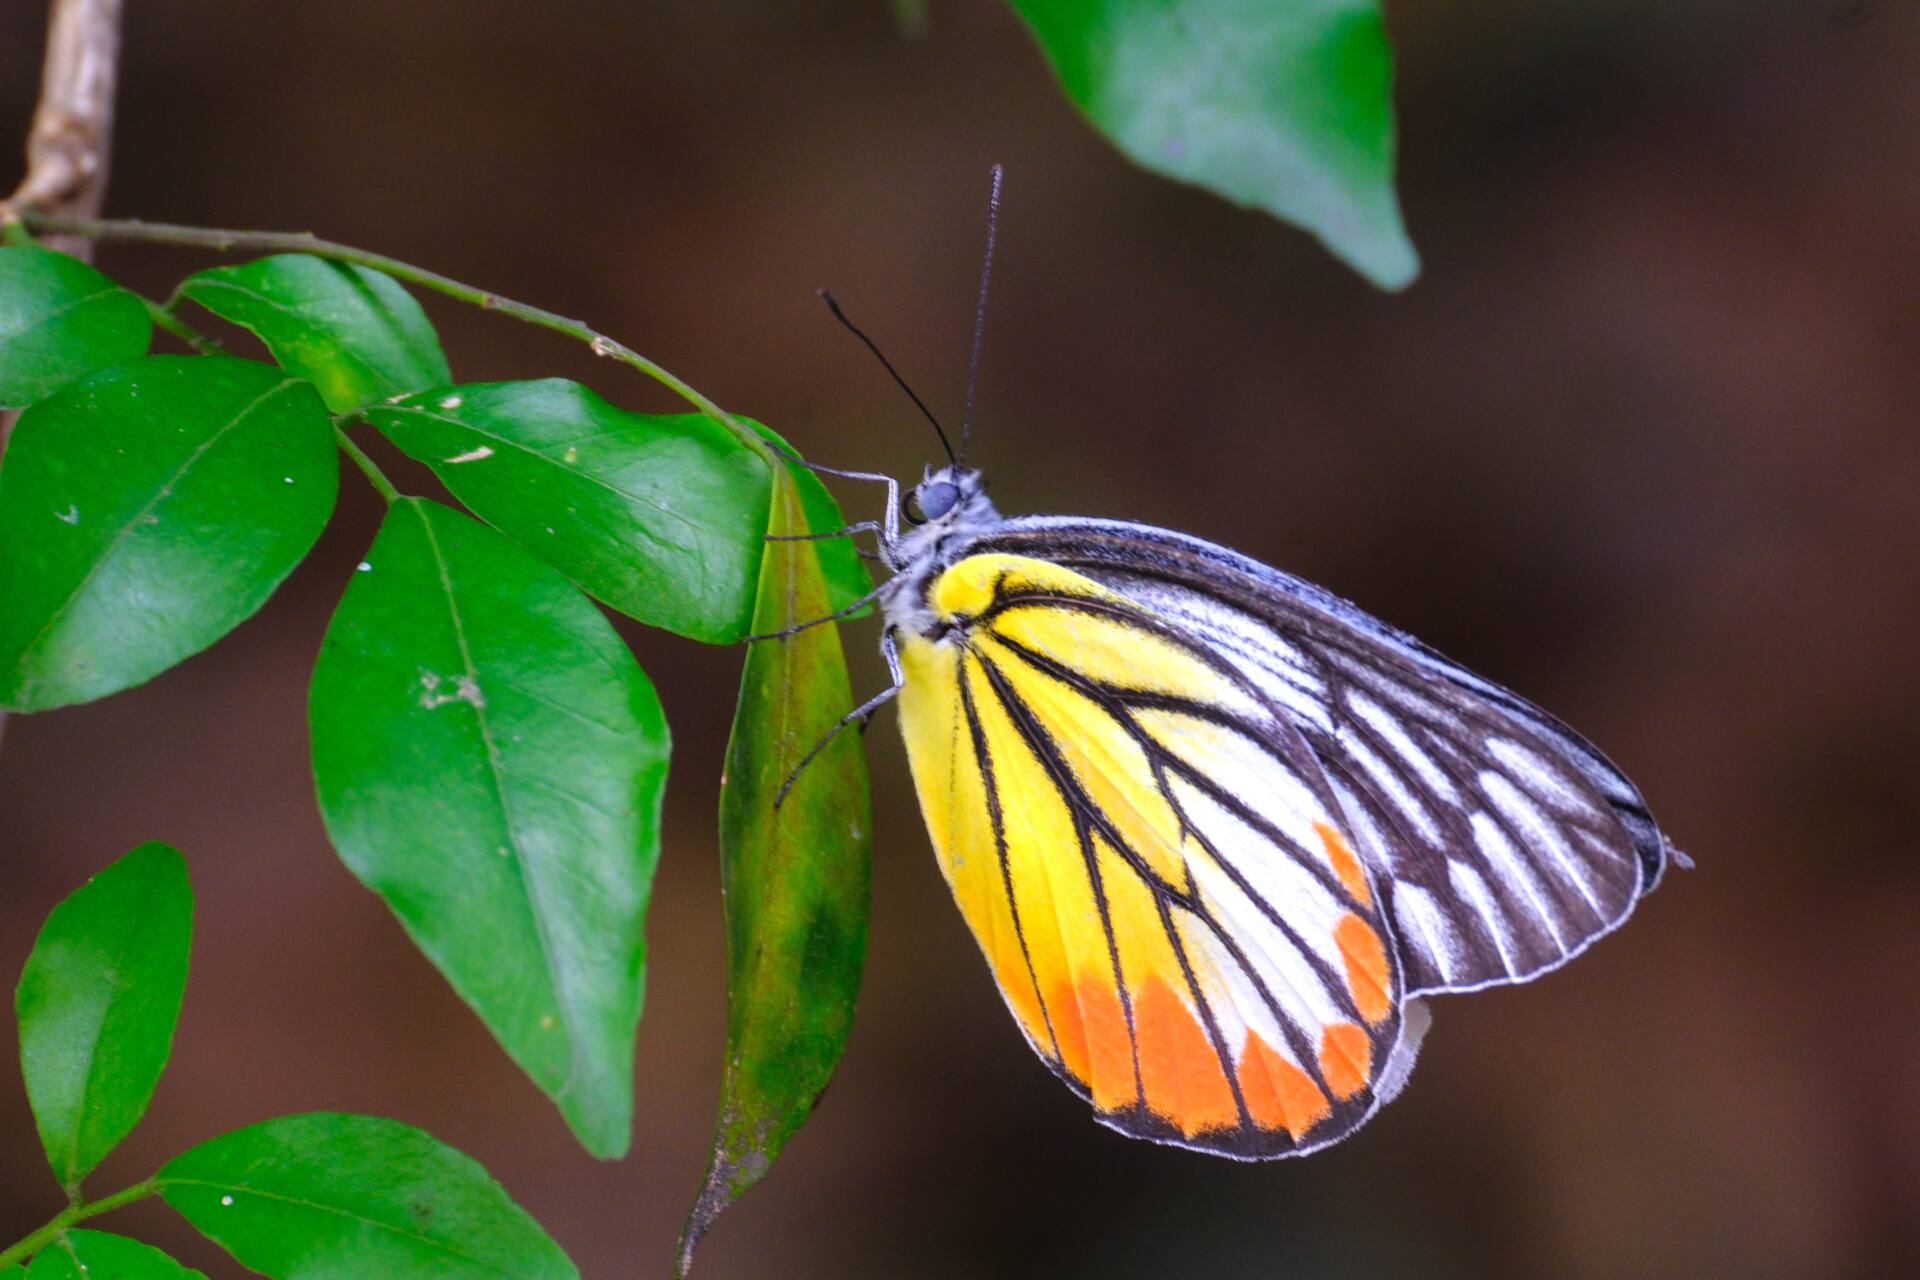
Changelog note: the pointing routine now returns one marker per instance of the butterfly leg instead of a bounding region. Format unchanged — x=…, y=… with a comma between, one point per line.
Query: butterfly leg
x=850, y=531
x=860, y=714
x=835, y=616
x=858, y=526
x=890, y=532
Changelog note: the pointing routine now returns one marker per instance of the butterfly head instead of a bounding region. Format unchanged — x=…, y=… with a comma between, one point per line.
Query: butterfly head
x=946, y=509
x=952, y=497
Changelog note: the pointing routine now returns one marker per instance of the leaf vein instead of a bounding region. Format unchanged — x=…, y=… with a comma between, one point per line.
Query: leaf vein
x=587, y=476
x=55, y=314
x=348, y=1214
x=161, y=494
x=536, y=907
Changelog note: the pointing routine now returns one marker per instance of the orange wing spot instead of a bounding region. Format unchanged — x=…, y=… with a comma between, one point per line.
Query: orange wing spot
x=1178, y=1065
x=1345, y=864
x=1063, y=1011
x=1094, y=1046
x=1279, y=1094
x=1346, y=1058
x=1366, y=960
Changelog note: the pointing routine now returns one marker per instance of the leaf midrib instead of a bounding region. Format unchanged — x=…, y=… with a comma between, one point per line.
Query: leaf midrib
x=165, y=1181
x=71, y=1176
x=783, y=717
x=55, y=314
x=535, y=904
x=112, y=548
x=574, y=472
x=346, y=353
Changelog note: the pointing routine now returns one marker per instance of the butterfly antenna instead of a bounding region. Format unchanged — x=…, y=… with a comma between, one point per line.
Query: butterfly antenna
x=887, y=364
x=980, y=311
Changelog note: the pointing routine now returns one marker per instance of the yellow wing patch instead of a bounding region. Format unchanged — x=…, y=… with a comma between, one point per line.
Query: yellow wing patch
x=1151, y=863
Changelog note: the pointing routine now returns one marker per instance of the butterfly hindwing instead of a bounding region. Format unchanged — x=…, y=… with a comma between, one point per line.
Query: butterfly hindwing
x=1502, y=841
x=1154, y=863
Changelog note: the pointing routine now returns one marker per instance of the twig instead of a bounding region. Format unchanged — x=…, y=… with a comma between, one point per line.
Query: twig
x=306, y=242
x=368, y=467
x=69, y=143
x=76, y=1212
x=164, y=318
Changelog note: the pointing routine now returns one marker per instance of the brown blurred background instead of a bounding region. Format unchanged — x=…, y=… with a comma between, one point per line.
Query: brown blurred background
x=1643, y=442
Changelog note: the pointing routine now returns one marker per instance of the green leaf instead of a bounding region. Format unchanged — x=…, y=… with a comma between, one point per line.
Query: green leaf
x=325, y=1197
x=60, y=320
x=147, y=511
x=1286, y=107
x=658, y=515
x=490, y=761
x=97, y=1004
x=99, y=1255
x=794, y=877
x=840, y=564
x=354, y=333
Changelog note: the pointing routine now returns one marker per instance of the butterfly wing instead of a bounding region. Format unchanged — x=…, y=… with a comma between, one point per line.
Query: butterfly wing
x=1153, y=863
x=1503, y=842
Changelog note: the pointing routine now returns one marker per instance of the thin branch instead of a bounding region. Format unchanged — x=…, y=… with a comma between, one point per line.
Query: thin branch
x=52, y=1230
x=368, y=467
x=306, y=242
x=72, y=133
x=164, y=318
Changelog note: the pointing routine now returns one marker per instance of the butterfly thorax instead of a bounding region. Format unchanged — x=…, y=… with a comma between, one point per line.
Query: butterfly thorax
x=947, y=511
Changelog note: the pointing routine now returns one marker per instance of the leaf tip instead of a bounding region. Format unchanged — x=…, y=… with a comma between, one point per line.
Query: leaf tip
x=727, y=1177
x=1388, y=259
x=606, y=1133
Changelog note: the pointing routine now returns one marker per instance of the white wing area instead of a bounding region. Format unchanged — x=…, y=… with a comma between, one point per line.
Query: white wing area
x=1503, y=842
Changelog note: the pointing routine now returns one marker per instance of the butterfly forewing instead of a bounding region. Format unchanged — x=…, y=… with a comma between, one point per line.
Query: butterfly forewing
x=1501, y=842
x=1160, y=874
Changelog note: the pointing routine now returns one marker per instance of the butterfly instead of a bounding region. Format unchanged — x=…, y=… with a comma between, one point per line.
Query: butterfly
x=1218, y=832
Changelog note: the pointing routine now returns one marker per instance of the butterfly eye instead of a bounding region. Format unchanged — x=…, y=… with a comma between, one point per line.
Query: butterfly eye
x=935, y=499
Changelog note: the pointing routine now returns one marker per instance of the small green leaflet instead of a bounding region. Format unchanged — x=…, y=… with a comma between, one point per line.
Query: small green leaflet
x=61, y=320
x=80, y=1254
x=320, y=1196
x=97, y=1004
x=1286, y=107
x=354, y=333
x=795, y=878
x=490, y=761
x=146, y=511
x=658, y=515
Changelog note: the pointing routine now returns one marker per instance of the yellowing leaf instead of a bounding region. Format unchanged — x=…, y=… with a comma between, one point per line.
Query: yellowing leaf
x=795, y=876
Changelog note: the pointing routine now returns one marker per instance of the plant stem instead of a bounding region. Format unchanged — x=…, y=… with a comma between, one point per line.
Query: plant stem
x=305, y=242
x=75, y=1213
x=368, y=467
x=163, y=318
x=69, y=144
